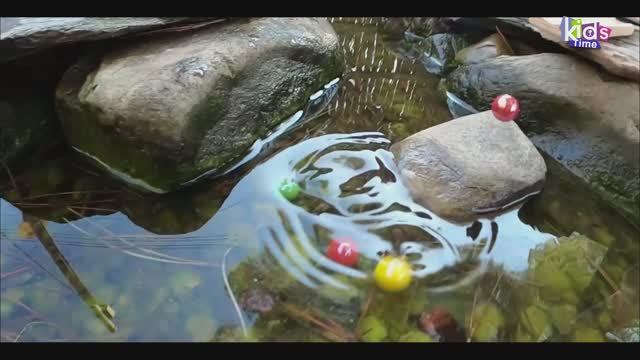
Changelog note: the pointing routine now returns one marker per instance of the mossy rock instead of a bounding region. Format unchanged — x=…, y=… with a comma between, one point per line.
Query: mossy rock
x=563, y=269
x=158, y=125
x=593, y=136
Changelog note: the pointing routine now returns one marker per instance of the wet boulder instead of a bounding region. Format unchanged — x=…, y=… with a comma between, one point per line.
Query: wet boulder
x=576, y=113
x=23, y=36
x=470, y=165
x=161, y=112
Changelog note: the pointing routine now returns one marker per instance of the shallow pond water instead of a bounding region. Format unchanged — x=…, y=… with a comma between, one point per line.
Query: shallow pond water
x=85, y=259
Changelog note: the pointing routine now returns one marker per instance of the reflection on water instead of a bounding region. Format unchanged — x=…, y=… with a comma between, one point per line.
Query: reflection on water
x=161, y=262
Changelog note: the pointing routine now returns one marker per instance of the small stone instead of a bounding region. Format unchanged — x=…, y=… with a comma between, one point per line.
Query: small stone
x=440, y=323
x=257, y=300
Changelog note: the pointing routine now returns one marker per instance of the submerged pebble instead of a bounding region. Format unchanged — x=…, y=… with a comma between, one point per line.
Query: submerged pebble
x=440, y=323
x=257, y=300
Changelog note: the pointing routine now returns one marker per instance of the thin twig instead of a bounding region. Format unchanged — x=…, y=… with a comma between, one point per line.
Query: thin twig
x=606, y=277
x=230, y=291
x=72, y=193
x=40, y=266
x=13, y=180
x=333, y=330
x=365, y=307
x=30, y=324
x=159, y=256
x=91, y=208
x=8, y=335
x=32, y=312
x=293, y=310
x=14, y=272
x=180, y=28
x=85, y=170
x=496, y=285
x=473, y=308
x=28, y=204
x=505, y=40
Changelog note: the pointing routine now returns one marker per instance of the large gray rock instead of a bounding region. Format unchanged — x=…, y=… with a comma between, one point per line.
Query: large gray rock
x=620, y=56
x=21, y=36
x=581, y=116
x=161, y=112
x=469, y=166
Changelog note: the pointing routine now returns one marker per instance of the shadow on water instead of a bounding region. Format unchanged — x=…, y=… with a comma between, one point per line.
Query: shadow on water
x=168, y=266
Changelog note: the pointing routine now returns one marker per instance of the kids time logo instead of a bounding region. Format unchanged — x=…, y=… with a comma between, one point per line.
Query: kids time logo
x=579, y=35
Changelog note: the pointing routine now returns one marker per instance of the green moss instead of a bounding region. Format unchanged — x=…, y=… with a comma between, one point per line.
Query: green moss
x=604, y=319
x=44, y=300
x=564, y=270
x=418, y=303
x=535, y=321
x=28, y=122
x=415, y=336
x=487, y=321
x=6, y=308
x=14, y=294
x=338, y=295
x=56, y=176
x=234, y=334
x=201, y=327
x=585, y=334
x=183, y=282
x=563, y=317
x=372, y=329
x=523, y=335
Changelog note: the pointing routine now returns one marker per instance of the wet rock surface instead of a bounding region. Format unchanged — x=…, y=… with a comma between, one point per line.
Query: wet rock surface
x=27, y=35
x=470, y=165
x=581, y=116
x=159, y=113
